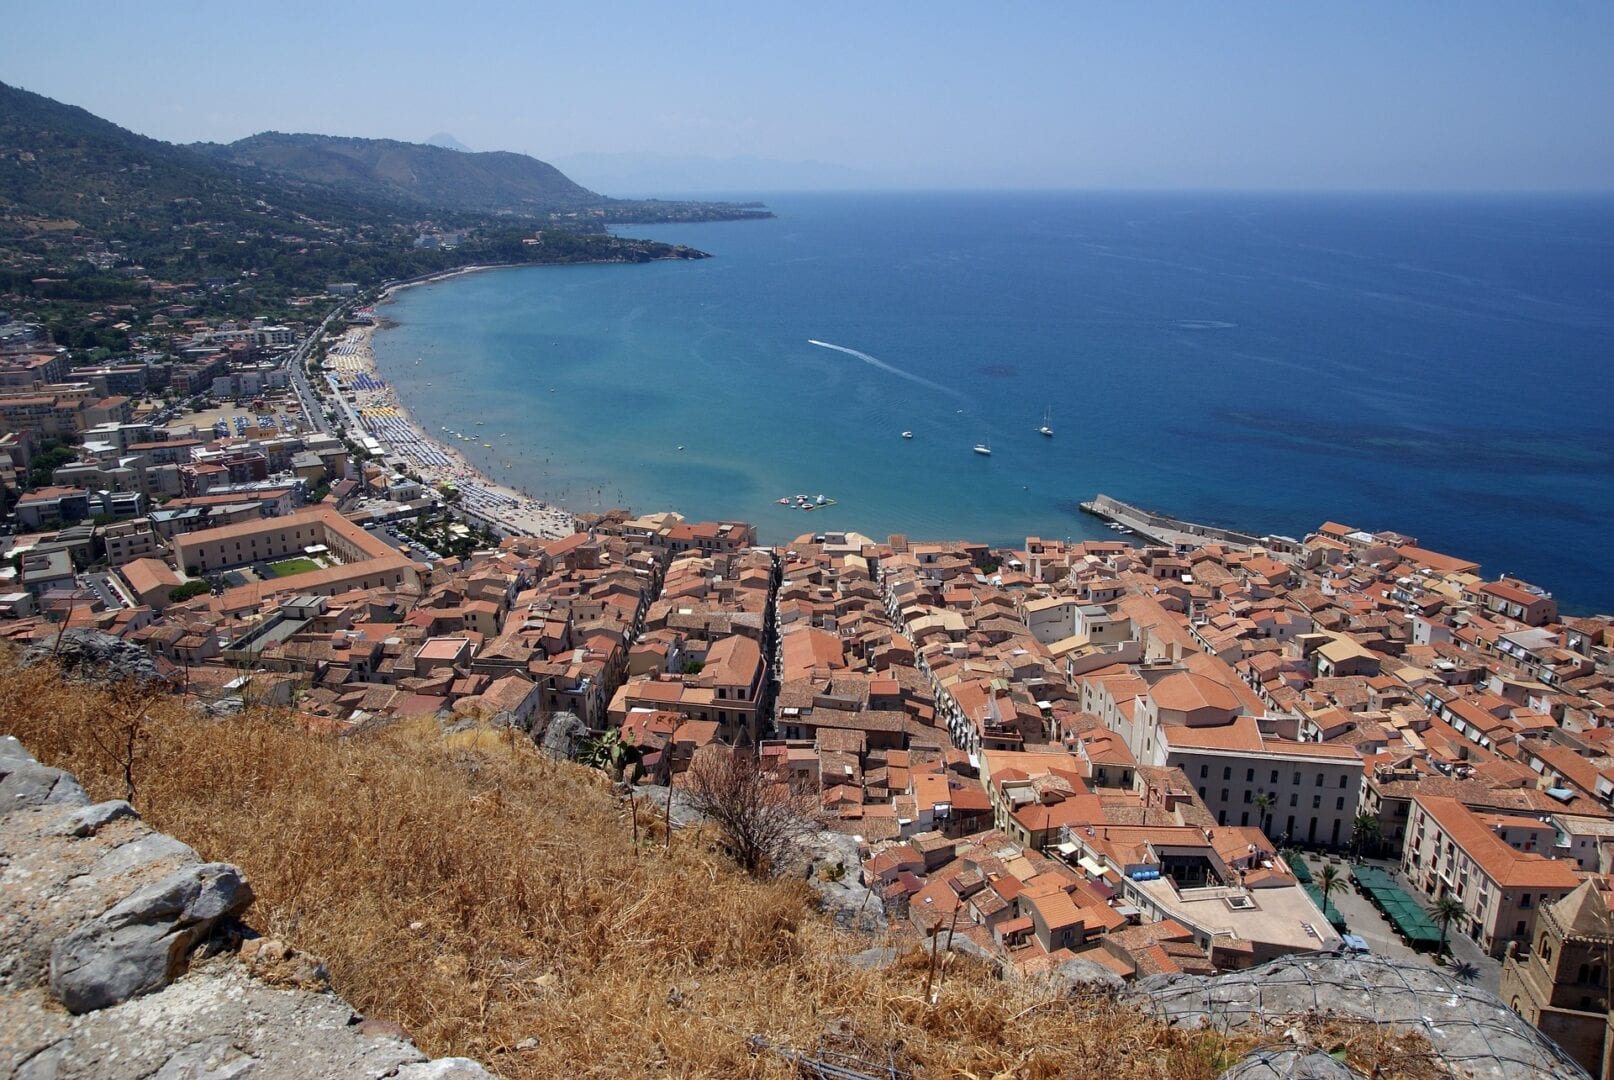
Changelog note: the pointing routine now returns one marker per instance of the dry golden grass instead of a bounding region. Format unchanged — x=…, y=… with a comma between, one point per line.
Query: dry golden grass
x=479, y=895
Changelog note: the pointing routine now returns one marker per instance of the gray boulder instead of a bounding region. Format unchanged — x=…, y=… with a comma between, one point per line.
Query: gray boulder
x=453, y=1068
x=1079, y=974
x=563, y=735
x=100, y=913
x=91, y=819
x=24, y=783
x=1471, y=1030
x=91, y=656
x=142, y=944
x=1289, y=1063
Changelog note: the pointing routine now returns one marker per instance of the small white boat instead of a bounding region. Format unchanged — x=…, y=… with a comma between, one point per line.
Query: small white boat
x=907, y=434
x=783, y=502
x=983, y=449
x=680, y=448
x=1047, y=418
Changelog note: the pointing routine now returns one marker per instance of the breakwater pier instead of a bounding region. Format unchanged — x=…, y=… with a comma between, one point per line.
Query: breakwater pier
x=1178, y=533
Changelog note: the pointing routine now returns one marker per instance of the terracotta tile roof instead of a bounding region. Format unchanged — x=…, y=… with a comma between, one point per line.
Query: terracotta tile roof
x=1507, y=867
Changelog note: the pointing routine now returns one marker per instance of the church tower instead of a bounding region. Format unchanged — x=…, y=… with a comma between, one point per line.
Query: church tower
x=1562, y=987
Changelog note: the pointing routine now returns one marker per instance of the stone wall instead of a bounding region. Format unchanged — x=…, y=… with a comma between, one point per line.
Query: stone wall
x=121, y=955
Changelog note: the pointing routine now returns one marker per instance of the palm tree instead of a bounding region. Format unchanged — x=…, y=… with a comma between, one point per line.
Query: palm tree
x=1365, y=832
x=1329, y=882
x=1447, y=910
x=1263, y=803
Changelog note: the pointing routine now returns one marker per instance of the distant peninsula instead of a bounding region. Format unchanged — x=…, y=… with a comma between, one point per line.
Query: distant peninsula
x=94, y=215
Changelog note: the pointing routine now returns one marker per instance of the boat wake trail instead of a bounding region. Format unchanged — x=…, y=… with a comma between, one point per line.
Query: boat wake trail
x=898, y=372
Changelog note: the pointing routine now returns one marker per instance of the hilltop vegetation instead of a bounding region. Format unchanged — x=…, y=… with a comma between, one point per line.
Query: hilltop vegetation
x=481, y=895
x=460, y=181
x=431, y=176
x=90, y=212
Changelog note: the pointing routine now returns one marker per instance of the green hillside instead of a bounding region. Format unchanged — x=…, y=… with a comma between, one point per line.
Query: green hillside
x=409, y=172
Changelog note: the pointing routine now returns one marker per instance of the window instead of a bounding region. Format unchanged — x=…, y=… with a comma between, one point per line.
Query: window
x=1321, y=779
x=1224, y=794
x=1274, y=780
x=1339, y=803
x=1316, y=802
x=1294, y=798
x=1297, y=779
x=1201, y=793
x=1204, y=772
x=1249, y=776
x=1246, y=794
x=1227, y=773
x=1524, y=900
x=1343, y=780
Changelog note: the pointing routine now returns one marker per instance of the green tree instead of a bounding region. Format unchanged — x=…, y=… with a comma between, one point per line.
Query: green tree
x=1447, y=910
x=1329, y=882
x=1365, y=833
x=184, y=592
x=1263, y=805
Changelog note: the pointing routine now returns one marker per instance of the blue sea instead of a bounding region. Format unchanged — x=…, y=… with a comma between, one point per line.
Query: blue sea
x=1441, y=366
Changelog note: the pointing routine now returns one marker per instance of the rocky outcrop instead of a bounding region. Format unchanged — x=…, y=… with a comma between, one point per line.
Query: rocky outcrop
x=563, y=736
x=1472, y=1032
x=117, y=957
x=92, y=656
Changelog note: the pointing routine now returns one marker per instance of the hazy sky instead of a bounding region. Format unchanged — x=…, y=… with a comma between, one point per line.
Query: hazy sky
x=1402, y=94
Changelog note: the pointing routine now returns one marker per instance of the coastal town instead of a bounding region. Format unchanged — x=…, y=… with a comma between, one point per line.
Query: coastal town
x=1179, y=750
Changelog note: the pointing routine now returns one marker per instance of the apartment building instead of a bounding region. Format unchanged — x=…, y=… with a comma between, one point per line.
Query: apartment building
x=1480, y=859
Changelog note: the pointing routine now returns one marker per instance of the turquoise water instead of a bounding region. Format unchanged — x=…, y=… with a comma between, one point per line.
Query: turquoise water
x=1439, y=367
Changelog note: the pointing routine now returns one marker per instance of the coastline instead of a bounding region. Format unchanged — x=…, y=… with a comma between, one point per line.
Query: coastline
x=384, y=417
x=442, y=275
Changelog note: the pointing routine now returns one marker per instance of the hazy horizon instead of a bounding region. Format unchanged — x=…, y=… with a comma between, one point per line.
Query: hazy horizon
x=1436, y=97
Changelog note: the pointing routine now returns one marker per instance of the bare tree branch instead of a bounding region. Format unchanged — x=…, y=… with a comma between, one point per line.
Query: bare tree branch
x=760, y=816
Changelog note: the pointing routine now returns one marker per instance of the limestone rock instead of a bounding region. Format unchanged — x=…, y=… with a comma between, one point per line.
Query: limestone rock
x=875, y=958
x=92, y=656
x=100, y=913
x=454, y=1068
x=1471, y=1030
x=1077, y=974
x=1289, y=1063
x=143, y=942
x=25, y=782
x=563, y=736
x=88, y=821
x=214, y=1021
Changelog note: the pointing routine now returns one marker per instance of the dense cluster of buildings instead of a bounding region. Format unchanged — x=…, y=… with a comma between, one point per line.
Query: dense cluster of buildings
x=1089, y=751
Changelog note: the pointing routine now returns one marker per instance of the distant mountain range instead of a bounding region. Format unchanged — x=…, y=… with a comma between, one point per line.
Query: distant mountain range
x=630, y=174
x=81, y=198
x=430, y=176
x=447, y=142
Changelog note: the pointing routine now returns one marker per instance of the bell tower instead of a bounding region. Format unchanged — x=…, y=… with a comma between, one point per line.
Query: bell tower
x=1562, y=987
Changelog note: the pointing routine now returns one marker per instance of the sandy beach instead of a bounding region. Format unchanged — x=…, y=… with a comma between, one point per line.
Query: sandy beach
x=387, y=419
